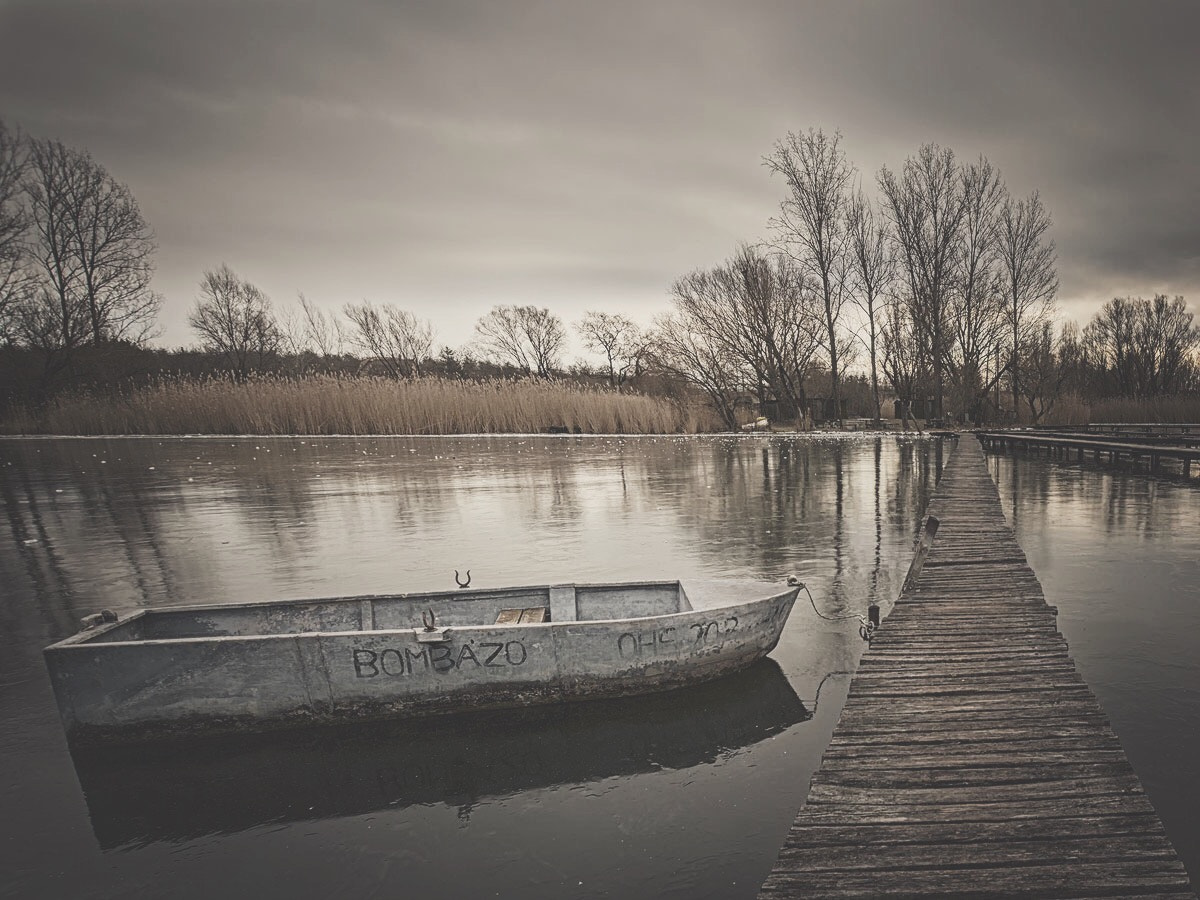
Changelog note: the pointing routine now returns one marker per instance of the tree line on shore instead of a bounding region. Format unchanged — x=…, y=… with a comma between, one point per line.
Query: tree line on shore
x=937, y=289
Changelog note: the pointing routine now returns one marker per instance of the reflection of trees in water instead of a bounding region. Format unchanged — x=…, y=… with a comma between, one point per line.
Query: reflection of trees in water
x=431, y=481
x=35, y=554
x=878, y=468
x=1129, y=504
x=115, y=504
x=801, y=505
x=127, y=521
x=912, y=485
x=131, y=514
x=123, y=522
x=1042, y=491
x=101, y=510
x=546, y=475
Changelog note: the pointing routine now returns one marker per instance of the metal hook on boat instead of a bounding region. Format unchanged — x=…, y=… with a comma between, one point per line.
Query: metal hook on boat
x=460, y=582
x=97, y=619
x=429, y=620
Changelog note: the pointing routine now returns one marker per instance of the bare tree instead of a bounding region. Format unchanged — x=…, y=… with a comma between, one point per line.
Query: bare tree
x=501, y=338
x=310, y=337
x=1045, y=375
x=234, y=319
x=92, y=246
x=977, y=308
x=55, y=315
x=751, y=315
x=925, y=204
x=1142, y=348
x=546, y=336
x=779, y=312
x=526, y=337
x=1074, y=359
x=394, y=337
x=873, y=268
x=1165, y=340
x=905, y=360
x=1027, y=275
x=14, y=273
x=323, y=334
x=811, y=225
x=1108, y=344
x=702, y=360
x=618, y=339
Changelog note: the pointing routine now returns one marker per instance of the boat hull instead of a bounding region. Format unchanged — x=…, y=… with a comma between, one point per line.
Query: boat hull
x=130, y=690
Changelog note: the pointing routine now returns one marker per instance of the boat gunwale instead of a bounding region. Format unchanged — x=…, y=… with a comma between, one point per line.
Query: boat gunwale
x=84, y=639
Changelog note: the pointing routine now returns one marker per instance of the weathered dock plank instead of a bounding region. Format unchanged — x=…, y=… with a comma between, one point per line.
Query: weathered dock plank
x=971, y=759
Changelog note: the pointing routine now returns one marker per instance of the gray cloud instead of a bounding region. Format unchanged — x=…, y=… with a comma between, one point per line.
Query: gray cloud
x=451, y=155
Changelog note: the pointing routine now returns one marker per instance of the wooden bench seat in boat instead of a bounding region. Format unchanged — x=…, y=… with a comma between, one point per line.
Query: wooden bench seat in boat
x=527, y=616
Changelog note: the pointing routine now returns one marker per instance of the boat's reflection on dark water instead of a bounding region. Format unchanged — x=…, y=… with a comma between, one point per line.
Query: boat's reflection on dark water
x=175, y=791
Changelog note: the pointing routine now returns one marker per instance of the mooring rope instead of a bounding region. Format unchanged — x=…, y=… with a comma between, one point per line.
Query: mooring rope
x=866, y=628
x=828, y=675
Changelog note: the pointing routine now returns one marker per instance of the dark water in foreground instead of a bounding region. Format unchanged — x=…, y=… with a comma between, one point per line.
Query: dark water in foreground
x=1119, y=554
x=687, y=794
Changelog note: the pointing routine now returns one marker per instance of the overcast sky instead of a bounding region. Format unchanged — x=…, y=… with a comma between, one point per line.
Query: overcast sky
x=447, y=156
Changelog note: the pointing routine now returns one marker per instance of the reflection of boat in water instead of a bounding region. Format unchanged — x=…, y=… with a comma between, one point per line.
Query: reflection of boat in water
x=248, y=666
x=180, y=790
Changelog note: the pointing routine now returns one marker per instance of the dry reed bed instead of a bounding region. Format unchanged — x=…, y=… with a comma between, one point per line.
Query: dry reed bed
x=363, y=405
x=1071, y=409
x=1168, y=409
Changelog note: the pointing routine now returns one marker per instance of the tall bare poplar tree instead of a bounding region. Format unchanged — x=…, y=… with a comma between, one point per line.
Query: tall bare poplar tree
x=905, y=359
x=1027, y=258
x=925, y=204
x=811, y=225
x=873, y=267
x=976, y=303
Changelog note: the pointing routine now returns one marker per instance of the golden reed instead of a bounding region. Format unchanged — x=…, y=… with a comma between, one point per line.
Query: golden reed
x=1171, y=408
x=359, y=405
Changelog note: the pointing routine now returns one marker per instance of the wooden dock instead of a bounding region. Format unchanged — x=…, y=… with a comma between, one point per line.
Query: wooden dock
x=1153, y=450
x=971, y=759
x=1129, y=429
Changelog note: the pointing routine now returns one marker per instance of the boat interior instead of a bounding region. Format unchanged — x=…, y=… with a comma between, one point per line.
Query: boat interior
x=504, y=607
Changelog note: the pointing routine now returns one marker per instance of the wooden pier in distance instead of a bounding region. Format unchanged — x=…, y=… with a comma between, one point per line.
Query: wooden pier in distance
x=1153, y=449
x=971, y=759
x=1184, y=430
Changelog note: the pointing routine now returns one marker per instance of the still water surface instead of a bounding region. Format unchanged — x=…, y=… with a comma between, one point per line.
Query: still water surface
x=687, y=794
x=1118, y=553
